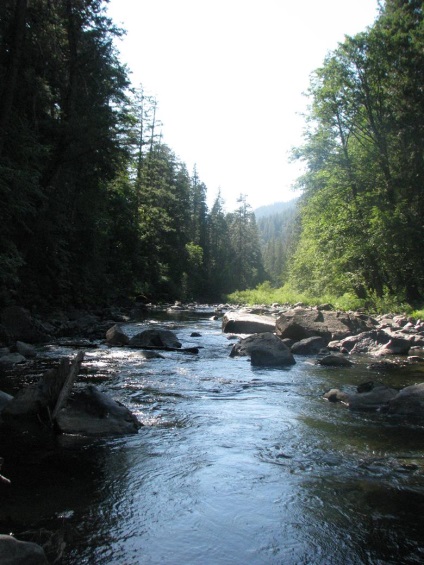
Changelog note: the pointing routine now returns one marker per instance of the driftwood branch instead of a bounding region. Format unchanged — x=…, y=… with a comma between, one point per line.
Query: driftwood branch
x=2, y=478
x=72, y=373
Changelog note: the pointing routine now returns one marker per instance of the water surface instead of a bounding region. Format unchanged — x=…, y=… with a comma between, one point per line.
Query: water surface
x=234, y=465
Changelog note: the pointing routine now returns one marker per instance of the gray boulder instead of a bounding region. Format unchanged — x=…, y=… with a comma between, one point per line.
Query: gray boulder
x=11, y=359
x=15, y=552
x=395, y=346
x=91, y=412
x=309, y=346
x=375, y=342
x=4, y=399
x=115, y=336
x=26, y=349
x=265, y=350
x=334, y=360
x=369, y=397
x=19, y=325
x=246, y=323
x=155, y=338
x=409, y=402
x=300, y=323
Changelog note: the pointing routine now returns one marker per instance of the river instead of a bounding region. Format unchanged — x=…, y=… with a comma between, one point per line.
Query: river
x=234, y=465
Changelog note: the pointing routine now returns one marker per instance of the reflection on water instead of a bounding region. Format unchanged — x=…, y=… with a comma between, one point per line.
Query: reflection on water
x=234, y=465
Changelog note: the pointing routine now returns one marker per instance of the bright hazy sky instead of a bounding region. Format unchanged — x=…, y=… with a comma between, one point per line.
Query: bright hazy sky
x=229, y=76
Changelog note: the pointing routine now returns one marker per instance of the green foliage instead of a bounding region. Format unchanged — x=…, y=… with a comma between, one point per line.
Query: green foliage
x=266, y=294
x=362, y=207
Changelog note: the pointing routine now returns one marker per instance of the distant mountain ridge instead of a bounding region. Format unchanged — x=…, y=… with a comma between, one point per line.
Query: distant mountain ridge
x=276, y=208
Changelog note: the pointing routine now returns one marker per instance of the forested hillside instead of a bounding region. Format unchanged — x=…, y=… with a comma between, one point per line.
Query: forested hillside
x=278, y=227
x=362, y=208
x=95, y=207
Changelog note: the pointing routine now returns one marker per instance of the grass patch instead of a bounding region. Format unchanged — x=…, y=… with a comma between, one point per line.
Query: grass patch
x=265, y=294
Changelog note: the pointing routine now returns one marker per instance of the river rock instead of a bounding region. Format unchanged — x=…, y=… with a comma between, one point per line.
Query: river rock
x=11, y=359
x=4, y=399
x=334, y=360
x=246, y=323
x=309, y=346
x=16, y=552
x=364, y=342
x=19, y=325
x=395, y=346
x=409, y=402
x=336, y=395
x=369, y=397
x=375, y=342
x=301, y=323
x=26, y=349
x=116, y=336
x=155, y=338
x=264, y=349
x=91, y=412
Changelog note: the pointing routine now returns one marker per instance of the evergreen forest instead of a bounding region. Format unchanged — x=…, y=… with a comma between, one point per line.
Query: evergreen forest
x=96, y=208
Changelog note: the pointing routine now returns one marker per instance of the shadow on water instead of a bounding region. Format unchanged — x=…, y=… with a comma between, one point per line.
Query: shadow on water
x=234, y=465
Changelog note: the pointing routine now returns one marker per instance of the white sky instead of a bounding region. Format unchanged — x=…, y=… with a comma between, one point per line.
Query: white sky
x=229, y=77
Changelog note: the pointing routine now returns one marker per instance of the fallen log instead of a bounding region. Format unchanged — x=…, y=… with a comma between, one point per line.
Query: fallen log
x=71, y=373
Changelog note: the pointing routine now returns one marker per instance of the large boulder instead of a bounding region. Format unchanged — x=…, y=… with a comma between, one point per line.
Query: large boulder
x=246, y=323
x=334, y=360
x=11, y=359
x=300, y=323
x=16, y=552
x=19, y=325
x=265, y=350
x=409, y=402
x=116, y=336
x=42, y=397
x=309, y=345
x=375, y=342
x=25, y=349
x=155, y=338
x=4, y=399
x=91, y=412
x=369, y=397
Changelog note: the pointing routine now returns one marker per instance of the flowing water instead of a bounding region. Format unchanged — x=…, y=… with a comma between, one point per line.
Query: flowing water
x=234, y=465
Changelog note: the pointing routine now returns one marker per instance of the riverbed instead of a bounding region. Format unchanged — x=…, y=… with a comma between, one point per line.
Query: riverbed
x=234, y=465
